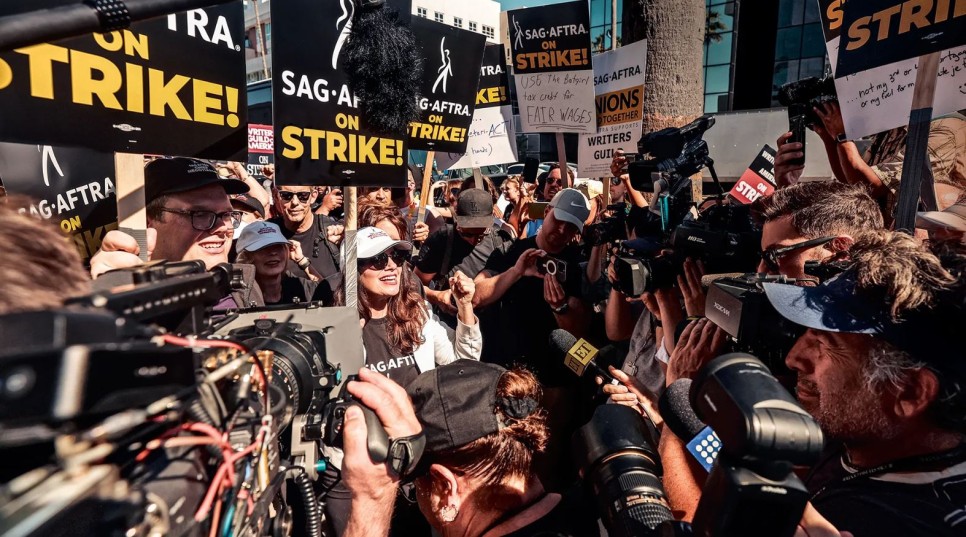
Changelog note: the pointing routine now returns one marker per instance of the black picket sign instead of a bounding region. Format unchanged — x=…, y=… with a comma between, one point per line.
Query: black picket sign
x=174, y=85
x=550, y=38
x=451, y=71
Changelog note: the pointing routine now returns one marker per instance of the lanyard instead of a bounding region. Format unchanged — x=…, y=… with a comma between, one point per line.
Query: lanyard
x=900, y=465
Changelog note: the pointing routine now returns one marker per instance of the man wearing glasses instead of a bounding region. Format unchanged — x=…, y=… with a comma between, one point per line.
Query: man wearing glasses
x=293, y=207
x=812, y=221
x=189, y=217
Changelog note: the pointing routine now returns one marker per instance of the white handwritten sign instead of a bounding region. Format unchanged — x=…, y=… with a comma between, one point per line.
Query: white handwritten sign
x=880, y=99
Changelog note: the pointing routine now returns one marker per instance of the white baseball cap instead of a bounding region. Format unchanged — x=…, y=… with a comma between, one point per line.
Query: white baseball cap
x=258, y=235
x=372, y=241
x=571, y=206
x=953, y=218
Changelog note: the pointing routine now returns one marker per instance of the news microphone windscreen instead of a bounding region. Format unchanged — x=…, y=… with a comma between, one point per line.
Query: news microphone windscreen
x=561, y=341
x=708, y=279
x=675, y=407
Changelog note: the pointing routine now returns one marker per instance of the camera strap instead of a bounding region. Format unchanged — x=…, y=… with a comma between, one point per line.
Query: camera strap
x=901, y=465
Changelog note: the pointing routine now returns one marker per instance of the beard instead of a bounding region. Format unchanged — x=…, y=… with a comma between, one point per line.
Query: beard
x=853, y=415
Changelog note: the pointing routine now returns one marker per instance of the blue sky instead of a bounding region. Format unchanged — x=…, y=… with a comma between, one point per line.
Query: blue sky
x=513, y=4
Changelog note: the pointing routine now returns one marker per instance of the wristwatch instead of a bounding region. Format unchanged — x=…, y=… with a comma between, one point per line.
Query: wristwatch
x=841, y=138
x=562, y=309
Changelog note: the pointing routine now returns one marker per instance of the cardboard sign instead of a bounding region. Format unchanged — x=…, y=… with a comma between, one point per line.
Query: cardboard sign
x=492, y=136
x=758, y=180
x=321, y=138
x=172, y=85
x=879, y=32
x=451, y=70
x=553, y=72
x=619, y=83
x=879, y=99
x=71, y=187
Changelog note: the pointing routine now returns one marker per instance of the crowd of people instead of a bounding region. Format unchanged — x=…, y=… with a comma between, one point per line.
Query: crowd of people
x=456, y=336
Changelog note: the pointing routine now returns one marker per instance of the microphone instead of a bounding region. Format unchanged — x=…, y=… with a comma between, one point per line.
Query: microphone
x=675, y=407
x=579, y=356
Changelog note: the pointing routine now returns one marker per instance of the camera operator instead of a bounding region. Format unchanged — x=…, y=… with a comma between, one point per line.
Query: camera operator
x=618, y=167
x=882, y=369
x=812, y=221
x=483, y=426
x=190, y=217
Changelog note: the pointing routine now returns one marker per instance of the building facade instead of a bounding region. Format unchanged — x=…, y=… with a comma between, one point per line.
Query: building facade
x=480, y=16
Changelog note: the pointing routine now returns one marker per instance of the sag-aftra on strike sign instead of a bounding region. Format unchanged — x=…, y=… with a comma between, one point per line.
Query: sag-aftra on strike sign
x=173, y=85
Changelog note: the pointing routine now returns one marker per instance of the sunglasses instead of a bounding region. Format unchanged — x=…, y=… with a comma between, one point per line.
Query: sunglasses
x=287, y=196
x=207, y=220
x=381, y=261
x=773, y=256
x=454, y=191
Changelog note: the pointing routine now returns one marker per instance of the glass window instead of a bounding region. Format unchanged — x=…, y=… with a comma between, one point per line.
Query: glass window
x=812, y=67
x=421, y=12
x=717, y=79
x=710, y=104
x=438, y=17
x=788, y=44
x=488, y=31
x=719, y=52
x=457, y=22
x=723, y=22
x=268, y=36
x=785, y=72
x=811, y=12
x=790, y=12
x=472, y=26
x=813, y=41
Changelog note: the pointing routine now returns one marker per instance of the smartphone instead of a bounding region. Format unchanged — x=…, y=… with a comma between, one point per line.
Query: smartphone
x=537, y=210
x=530, y=168
x=554, y=267
x=796, y=125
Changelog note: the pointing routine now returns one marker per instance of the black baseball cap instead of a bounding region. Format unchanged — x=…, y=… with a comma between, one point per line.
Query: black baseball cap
x=456, y=403
x=249, y=203
x=474, y=209
x=931, y=334
x=181, y=174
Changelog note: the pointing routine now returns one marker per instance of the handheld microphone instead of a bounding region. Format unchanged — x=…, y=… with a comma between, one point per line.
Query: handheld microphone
x=675, y=407
x=579, y=356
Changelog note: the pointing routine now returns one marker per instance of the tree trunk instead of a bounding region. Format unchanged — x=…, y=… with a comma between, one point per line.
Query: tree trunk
x=674, y=84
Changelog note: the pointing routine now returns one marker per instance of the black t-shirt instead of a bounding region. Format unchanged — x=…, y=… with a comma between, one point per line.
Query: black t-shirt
x=296, y=290
x=380, y=356
x=575, y=516
x=464, y=256
x=521, y=331
x=320, y=253
x=927, y=499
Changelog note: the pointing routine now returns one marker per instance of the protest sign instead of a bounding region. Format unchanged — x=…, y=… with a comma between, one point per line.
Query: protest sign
x=554, y=76
x=758, y=180
x=880, y=32
x=261, y=148
x=492, y=136
x=451, y=60
x=322, y=140
x=72, y=187
x=879, y=99
x=619, y=83
x=171, y=85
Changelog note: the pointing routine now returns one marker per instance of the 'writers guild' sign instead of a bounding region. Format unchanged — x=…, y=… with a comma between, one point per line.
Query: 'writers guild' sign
x=320, y=138
x=451, y=71
x=171, y=85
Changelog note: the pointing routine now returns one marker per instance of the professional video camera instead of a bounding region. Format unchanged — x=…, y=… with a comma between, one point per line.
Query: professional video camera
x=724, y=238
x=800, y=97
x=738, y=306
x=142, y=432
x=751, y=489
x=608, y=230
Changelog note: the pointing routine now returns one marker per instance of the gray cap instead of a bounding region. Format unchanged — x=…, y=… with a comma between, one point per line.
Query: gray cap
x=571, y=206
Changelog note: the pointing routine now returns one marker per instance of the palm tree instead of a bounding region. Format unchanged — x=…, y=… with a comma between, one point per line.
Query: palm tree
x=713, y=27
x=598, y=45
x=675, y=33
